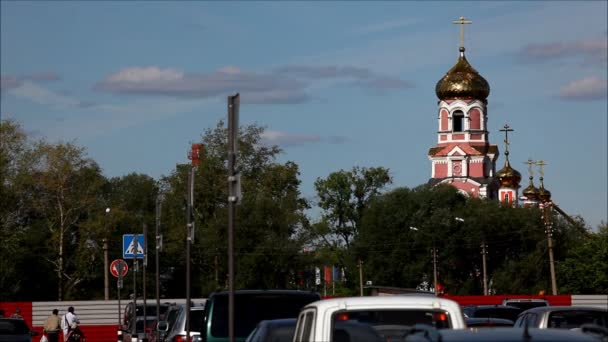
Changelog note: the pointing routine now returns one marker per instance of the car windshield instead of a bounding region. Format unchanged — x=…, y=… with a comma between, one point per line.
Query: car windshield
x=527, y=305
x=575, y=318
x=506, y=313
x=13, y=327
x=393, y=324
x=151, y=309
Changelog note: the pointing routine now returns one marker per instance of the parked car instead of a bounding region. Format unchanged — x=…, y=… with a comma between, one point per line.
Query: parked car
x=525, y=303
x=274, y=330
x=390, y=316
x=429, y=334
x=150, y=310
x=562, y=317
x=492, y=311
x=174, y=329
x=251, y=307
x=15, y=330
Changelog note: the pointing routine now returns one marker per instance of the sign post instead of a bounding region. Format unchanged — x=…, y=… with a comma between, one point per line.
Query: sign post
x=119, y=269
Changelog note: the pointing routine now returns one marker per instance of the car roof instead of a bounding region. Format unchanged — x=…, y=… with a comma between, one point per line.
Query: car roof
x=565, y=308
x=360, y=303
x=506, y=335
x=279, y=322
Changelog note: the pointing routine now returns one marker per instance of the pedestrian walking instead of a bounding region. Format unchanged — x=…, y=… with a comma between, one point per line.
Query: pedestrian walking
x=67, y=320
x=51, y=327
x=17, y=314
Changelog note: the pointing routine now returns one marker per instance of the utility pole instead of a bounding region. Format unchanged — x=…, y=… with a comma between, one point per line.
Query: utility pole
x=194, y=155
x=233, y=198
x=484, y=252
x=546, y=204
x=549, y=231
x=159, y=247
x=434, y=252
x=360, y=278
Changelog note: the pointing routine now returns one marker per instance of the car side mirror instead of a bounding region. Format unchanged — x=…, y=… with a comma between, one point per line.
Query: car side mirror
x=162, y=326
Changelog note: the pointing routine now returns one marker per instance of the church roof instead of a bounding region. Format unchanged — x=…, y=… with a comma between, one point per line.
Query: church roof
x=462, y=81
x=470, y=150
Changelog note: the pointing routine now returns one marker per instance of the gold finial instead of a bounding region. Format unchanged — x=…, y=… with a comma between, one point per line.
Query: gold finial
x=530, y=162
x=506, y=129
x=540, y=164
x=462, y=21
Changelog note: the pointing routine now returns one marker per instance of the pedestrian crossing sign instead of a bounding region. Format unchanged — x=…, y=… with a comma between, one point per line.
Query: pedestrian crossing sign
x=132, y=249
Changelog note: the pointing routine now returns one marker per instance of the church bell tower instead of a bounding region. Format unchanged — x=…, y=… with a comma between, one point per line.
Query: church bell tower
x=463, y=156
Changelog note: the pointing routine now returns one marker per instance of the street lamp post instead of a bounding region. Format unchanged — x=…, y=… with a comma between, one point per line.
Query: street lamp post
x=484, y=252
x=106, y=270
x=434, y=255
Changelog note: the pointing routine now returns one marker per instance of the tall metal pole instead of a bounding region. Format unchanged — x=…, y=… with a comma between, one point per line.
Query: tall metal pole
x=106, y=270
x=484, y=252
x=106, y=279
x=135, y=266
x=434, y=251
x=233, y=131
x=360, y=278
x=157, y=256
x=190, y=228
x=145, y=263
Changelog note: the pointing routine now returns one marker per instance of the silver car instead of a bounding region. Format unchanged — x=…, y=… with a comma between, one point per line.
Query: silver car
x=562, y=317
x=176, y=329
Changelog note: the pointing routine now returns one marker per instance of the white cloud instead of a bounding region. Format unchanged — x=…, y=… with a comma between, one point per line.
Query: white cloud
x=285, y=139
x=589, y=88
x=147, y=74
x=43, y=96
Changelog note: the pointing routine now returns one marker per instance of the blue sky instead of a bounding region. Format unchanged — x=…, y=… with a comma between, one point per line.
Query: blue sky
x=336, y=84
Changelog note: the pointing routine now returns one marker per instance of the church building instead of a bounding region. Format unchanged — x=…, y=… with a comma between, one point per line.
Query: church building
x=463, y=156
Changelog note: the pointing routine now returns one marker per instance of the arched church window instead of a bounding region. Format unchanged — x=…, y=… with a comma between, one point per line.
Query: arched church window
x=458, y=121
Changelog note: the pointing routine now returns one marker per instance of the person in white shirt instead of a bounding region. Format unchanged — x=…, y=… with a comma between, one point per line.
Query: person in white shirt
x=67, y=320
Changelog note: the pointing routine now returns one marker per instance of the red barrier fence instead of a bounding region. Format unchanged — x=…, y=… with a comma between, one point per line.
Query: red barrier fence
x=497, y=299
x=99, y=319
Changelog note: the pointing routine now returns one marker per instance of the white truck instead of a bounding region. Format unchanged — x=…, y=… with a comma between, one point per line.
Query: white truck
x=385, y=317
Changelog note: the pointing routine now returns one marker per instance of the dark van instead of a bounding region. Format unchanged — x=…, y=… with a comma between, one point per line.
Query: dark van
x=251, y=307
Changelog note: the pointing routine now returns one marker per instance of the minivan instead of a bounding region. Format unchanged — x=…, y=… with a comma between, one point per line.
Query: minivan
x=251, y=307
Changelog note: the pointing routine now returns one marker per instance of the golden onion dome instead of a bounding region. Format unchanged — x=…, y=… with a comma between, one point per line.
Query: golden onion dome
x=462, y=81
x=543, y=194
x=508, y=176
x=531, y=192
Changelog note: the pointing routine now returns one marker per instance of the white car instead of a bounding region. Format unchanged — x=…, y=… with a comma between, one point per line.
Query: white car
x=388, y=317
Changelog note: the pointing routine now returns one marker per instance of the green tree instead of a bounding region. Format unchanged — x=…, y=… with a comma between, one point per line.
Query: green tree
x=269, y=217
x=62, y=185
x=584, y=270
x=343, y=196
x=13, y=214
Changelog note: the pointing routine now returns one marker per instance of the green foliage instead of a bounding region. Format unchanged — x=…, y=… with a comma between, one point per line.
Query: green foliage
x=54, y=201
x=585, y=270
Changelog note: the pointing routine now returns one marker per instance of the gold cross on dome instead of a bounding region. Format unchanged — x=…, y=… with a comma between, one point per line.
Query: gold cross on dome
x=540, y=164
x=530, y=162
x=506, y=129
x=462, y=21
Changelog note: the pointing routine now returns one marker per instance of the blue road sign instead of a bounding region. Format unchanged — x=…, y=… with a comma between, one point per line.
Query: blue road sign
x=132, y=249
